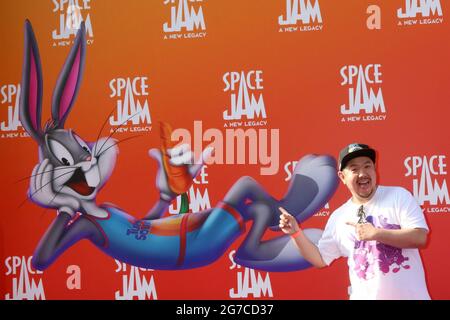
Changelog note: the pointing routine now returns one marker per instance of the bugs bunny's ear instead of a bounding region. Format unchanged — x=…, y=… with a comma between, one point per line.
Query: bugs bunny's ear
x=69, y=80
x=30, y=103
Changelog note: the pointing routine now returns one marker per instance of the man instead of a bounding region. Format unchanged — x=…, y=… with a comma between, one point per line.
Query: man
x=379, y=229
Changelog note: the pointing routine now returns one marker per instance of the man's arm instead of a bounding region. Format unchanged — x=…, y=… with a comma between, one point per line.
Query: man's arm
x=307, y=249
x=399, y=238
x=403, y=238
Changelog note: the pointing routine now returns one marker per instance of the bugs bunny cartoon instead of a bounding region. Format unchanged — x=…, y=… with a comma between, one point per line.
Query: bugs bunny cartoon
x=71, y=172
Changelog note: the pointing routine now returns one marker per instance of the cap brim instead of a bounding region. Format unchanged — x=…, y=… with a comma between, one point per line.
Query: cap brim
x=359, y=153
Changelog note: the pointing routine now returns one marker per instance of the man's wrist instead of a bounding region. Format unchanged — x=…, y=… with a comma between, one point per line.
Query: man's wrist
x=296, y=233
x=377, y=234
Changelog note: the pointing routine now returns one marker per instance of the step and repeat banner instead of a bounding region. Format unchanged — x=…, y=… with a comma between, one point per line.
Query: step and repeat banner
x=267, y=82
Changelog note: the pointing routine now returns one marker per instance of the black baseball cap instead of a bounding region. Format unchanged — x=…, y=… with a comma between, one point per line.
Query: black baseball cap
x=354, y=150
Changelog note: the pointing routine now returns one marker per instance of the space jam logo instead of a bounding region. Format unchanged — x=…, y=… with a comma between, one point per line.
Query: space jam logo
x=249, y=282
x=186, y=20
x=70, y=14
x=429, y=182
x=139, y=229
x=10, y=126
x=135, y=283
x=132, y=110
x=24, y=286
x=365, y=96
x=246, y=98
x=301, y=15
x=420, y=12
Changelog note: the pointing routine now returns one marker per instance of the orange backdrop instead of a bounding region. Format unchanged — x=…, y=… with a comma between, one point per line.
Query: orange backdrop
x=398, y=51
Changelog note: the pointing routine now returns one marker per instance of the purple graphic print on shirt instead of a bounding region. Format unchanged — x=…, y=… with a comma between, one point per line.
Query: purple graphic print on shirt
x=369, y=255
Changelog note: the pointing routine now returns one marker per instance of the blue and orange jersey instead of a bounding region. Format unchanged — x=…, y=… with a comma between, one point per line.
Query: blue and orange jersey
x=177, y=242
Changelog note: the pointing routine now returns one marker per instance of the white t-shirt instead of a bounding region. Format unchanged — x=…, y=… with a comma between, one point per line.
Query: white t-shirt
x=378, y=271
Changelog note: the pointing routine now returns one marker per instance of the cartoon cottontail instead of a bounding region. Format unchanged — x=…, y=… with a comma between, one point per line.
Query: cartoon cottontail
x=71, y=172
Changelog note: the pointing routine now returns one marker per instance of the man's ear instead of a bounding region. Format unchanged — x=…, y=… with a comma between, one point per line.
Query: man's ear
x=341, y=176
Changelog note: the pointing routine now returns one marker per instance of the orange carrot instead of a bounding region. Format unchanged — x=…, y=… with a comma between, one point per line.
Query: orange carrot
x=178, y=176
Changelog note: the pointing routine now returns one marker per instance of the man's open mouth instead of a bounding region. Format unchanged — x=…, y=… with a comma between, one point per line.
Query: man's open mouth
x=364, y=182
x=79, y=184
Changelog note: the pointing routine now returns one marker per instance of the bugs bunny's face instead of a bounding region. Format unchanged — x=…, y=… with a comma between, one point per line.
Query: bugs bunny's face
x=80, y=168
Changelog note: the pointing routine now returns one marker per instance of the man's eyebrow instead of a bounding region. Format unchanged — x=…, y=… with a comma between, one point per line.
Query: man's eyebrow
x=353, y=165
